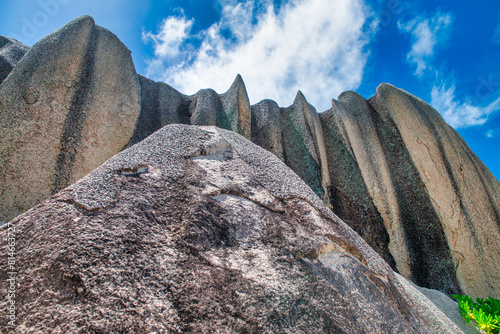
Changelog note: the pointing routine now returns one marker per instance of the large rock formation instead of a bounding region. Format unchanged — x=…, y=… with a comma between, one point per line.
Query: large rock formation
x=11, y=51
x=395, y=172
x=162, y=105
x=458, y=212
x=436, y=199
x=69, y=105
x=392, y=187
x=389, y=166
x=197, y=230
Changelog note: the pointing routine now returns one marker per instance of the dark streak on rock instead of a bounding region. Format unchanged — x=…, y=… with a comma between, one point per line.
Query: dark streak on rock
x=149, y=119
x=75, y=119
x=430, y=258
x=355, y=207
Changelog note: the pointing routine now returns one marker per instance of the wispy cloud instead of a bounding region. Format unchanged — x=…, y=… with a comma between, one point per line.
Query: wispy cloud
x=167, y=42
x=317, y=46
x=491, y=133
x=425, y=34
x=460, y=114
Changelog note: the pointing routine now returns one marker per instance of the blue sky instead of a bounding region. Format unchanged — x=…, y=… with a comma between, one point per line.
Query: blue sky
x=445, y=52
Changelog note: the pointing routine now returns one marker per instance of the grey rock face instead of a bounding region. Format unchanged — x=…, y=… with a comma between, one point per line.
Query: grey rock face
x=230, y=110
x=439, y=311
x=199, y=230
x=236, y=109
x=360, y=157
x=69, y=105
x=11, y=51
x=266, y=127
x=389, y=166
x=160, y=105
x=459, y=198
x=417, y=241
x=303, y=144
x=350, y=197
x=205, y=107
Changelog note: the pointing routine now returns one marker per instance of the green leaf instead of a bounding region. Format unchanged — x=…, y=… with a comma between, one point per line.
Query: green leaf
x=485, y=312
x=495, y=305
x=484, y=321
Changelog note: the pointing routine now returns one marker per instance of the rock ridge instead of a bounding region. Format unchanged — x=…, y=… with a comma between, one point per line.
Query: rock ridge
x=176, y=234
x=363, y=158
x=389, y=165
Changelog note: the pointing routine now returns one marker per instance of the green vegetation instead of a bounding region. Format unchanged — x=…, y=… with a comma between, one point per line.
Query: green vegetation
x=485, y=313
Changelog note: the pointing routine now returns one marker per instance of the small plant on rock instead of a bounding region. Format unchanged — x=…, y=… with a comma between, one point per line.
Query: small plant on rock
x=484, y=312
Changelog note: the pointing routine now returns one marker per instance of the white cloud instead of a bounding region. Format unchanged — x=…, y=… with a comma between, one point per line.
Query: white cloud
x=425, y=34
x=174, y=31
x=317, y=46
x=491, y=133
x=460, y=114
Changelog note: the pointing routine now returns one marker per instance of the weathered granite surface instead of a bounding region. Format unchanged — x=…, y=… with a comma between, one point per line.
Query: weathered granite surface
x=439, y=311
x=389, y=166
x=70, y=104
x=196, y=229
x=449, y=202
x=396, y=173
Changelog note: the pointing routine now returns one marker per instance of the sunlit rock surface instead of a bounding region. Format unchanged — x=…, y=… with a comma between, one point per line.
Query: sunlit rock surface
x=197, y=230
x=389, y=166
x=69, y=104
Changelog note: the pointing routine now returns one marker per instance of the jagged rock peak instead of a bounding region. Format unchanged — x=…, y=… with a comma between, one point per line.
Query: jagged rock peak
x=238, y=83
x=236, y=109
x=300, y=100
